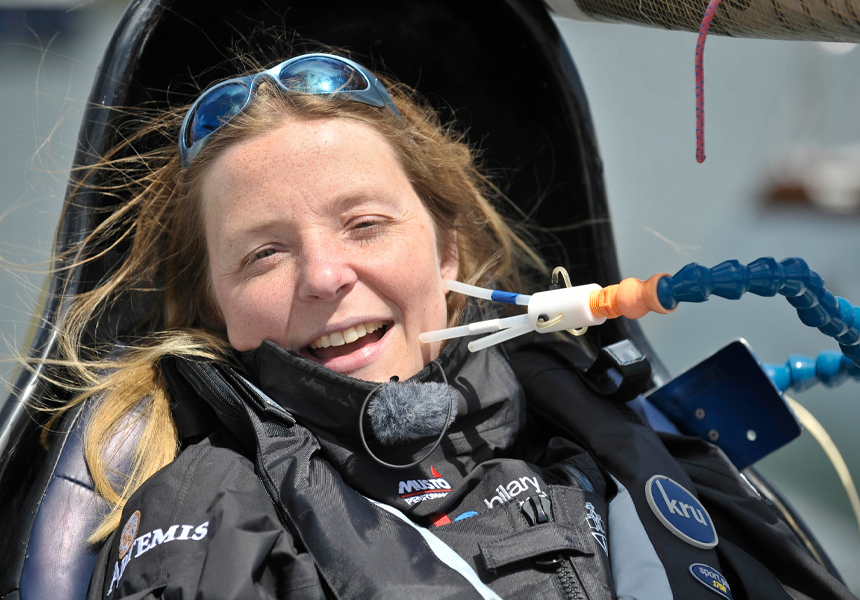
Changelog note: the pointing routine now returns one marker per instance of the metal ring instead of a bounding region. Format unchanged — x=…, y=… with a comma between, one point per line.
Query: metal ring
x=577, y=331
x=549, y=562
x=564, y=275
x=541, y=324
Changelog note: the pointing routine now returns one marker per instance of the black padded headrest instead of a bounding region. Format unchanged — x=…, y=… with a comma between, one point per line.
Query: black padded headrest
x=499, y=67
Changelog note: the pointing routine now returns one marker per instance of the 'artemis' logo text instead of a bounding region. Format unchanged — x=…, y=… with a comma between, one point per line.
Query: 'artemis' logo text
x=156, y=537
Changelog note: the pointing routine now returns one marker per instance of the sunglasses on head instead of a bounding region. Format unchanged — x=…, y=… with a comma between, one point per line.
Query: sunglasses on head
x=318, y=74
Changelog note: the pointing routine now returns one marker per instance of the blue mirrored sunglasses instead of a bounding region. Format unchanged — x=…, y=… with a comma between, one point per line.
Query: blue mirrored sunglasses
x=320, y=74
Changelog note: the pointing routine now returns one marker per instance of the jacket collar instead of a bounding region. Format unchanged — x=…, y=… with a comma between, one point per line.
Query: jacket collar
x=320, y=398
x=490, y=401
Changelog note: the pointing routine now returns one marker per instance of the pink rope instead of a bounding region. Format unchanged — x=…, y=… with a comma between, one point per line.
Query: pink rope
x=700, y=79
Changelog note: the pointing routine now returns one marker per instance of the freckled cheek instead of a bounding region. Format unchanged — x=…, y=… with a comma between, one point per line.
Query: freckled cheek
x=254, y=314
x=416, y=278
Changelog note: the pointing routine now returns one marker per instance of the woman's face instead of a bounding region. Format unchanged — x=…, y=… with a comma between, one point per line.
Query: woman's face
x=318, y=242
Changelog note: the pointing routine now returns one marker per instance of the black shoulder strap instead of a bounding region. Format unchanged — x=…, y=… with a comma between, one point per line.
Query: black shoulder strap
x=590, y=372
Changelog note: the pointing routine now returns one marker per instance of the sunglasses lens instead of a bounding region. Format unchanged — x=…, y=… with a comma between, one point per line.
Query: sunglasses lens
x=216, y=108
x=322, y=75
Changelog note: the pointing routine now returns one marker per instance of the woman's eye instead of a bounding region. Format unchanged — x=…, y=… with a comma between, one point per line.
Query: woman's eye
x=257, y=256
x=264, y=253
x=369, y=227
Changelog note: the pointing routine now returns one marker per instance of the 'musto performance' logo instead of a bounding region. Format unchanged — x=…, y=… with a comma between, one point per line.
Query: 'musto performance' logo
x=414, y=491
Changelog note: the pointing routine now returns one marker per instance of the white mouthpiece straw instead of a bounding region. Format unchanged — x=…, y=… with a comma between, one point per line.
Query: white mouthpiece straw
x=473, y=329
x=501, y=336
x=479, y=292
x=468, y=290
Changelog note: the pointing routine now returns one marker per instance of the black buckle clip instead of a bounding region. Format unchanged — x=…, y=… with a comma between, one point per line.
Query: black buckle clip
x=537, y=509
x=620, y=372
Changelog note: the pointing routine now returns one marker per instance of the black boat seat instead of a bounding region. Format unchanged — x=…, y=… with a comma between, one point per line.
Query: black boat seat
x=59, y=562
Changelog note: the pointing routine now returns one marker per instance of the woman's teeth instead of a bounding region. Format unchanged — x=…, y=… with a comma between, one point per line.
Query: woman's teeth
x=348, y=336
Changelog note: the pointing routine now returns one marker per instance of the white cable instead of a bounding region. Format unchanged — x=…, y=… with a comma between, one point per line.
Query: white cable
x=501, y=336
x=561, y=309
x=468, y=290
x=473, y=329
x=479, y=292
x=817, y=430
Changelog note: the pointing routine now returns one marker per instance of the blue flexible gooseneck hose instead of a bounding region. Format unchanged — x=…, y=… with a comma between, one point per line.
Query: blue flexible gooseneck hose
x=801, y=372
x=792, y=278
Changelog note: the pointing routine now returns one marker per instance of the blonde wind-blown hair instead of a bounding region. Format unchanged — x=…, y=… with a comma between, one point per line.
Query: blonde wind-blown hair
x=166, y=261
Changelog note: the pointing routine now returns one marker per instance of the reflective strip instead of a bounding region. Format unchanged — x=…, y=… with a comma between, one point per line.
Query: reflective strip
x=444, y=553
x=636, y=568
x=752, y=487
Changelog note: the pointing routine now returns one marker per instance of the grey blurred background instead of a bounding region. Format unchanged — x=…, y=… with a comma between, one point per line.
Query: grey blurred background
x=764, y=101
x=780, y=116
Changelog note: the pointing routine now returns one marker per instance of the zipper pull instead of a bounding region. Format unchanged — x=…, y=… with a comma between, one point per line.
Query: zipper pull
x=537, y=509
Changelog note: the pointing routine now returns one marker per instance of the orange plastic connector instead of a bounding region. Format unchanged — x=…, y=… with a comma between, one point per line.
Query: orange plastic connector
x=604, y=302
x=632, y=298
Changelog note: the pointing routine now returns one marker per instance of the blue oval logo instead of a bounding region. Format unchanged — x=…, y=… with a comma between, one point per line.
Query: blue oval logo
x=711, y=579
x=680, y=512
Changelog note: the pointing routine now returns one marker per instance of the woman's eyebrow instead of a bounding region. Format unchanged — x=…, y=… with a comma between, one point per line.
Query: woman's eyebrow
x=334, y=209
x=245, y=232
x=361, y=196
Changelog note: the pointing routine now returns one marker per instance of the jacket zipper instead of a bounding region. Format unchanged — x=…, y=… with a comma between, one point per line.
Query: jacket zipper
x=269, y=485
x=260, y=471
x=567, y=576
x=569, y=581
x=538, y=509
x=209, y=382
x=266, y=406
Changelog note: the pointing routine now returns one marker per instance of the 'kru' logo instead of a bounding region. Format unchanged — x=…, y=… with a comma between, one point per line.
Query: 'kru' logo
x=680, y=512
x=679, y=508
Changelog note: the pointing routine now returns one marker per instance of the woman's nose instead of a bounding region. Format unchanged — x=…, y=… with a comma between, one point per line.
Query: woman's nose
x=326, y=272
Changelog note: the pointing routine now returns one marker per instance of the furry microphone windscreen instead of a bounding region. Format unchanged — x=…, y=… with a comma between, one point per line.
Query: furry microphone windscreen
x=407, y=411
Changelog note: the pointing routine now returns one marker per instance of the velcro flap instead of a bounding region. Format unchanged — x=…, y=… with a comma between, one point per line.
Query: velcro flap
x=532, y=543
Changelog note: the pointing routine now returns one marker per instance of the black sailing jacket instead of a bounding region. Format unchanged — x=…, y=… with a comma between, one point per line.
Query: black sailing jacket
x=537, y=491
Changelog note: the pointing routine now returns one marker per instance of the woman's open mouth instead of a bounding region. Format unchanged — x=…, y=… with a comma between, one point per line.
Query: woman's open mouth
x=342, y=343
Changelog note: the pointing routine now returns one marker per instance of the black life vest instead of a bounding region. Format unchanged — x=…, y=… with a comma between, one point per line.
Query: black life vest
x=372, y=549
